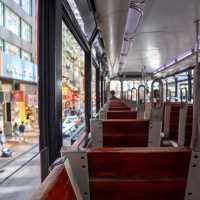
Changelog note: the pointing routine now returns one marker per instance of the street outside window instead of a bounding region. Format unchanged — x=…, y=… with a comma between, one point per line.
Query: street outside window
x=73, y=95
x=93, y=90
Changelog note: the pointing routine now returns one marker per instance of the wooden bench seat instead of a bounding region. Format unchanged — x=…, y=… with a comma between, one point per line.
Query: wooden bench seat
x=121, y=115
x=56, y=186
x=125, y=133
x=138, y=173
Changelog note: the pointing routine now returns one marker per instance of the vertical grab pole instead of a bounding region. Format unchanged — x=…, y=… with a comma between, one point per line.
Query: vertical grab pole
x=193, y=181
x=134, y=102
x=196, y=104
x=141, y=103
x=182, y=117
x=133, y=89
x=166, y=91
x=156, y=116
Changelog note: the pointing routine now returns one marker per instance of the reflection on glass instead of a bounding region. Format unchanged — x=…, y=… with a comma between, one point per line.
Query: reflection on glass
x=72, y=87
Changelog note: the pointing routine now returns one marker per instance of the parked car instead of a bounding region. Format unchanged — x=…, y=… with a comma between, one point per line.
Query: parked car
x=68, y=128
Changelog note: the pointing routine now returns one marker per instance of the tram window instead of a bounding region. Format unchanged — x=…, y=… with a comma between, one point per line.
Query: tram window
x=127, y=85
x=116, y=86
x=93, y=91
x=72, y=87
x=181, y=86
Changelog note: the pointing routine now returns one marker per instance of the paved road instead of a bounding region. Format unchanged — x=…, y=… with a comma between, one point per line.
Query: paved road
x=22, y=183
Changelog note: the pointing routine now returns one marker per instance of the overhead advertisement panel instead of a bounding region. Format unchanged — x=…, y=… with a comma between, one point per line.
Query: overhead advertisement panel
x=16, y=68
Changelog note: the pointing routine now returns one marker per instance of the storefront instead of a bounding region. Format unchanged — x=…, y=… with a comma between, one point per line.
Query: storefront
x=19, y=80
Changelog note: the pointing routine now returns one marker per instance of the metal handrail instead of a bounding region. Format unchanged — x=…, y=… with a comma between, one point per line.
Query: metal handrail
x=144, y=94
x=159, y=81
x=186, y=94
x=129, y=91
x=166, y=90
x=169, y=94
x=134, y=88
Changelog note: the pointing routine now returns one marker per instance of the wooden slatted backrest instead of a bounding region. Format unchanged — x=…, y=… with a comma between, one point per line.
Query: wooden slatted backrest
x=119, y=108
x=174, y=121
x=116, y=104
x=56, y=186
x=125, y=133
x=188, y=128
x=138, y=173
x=121, y=115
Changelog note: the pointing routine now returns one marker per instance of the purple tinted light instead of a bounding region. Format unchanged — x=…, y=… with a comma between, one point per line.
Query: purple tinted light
x=184, y=55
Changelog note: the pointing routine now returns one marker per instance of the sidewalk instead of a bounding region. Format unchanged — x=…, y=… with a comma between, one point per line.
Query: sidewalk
x=19, y=147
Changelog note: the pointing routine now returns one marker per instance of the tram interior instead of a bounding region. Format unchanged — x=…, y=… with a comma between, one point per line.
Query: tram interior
x=144, y=141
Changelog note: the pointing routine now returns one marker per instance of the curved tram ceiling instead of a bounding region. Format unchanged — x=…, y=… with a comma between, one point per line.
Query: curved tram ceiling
x=165, y=31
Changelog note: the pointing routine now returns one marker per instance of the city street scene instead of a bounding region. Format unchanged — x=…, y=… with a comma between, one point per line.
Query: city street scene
x=19, y=129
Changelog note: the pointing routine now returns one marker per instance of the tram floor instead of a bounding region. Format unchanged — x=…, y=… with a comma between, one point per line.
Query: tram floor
x=21, y=184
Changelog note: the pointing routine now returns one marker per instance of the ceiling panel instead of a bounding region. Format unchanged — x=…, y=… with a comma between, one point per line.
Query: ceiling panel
x=111, y=18
x=166, y=30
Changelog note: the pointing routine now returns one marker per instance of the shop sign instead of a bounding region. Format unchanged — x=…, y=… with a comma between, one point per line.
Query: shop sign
x=74, y=97
x=32, y=100
x=18, y=96
x=16, y=68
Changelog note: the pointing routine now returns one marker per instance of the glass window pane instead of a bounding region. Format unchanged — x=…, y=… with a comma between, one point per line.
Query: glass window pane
x=1, y=14
x=93, y=91
x=12, y=50
x=72, y=87
x=1, y=44
x=12, y=21
x=17, y=1
x=26, y=5
x=116, y=86
x=26, y=31
x=26, y=56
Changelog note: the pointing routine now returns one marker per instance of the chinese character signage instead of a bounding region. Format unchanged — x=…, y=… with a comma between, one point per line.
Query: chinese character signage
x=16, y=68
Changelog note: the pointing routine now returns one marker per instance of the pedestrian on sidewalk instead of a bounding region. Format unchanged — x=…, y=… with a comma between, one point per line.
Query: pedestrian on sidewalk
x=22, y=130
x=15, y=131
x=2, y=140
